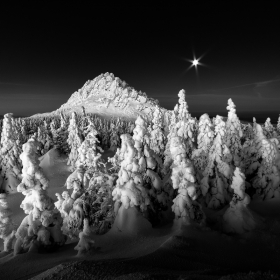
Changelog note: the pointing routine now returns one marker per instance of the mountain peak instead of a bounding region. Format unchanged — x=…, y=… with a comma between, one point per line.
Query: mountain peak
x=109, y=95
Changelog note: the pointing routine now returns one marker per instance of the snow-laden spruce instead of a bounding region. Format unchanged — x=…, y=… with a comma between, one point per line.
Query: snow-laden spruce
x=85, y=244
x=267, y=165
x=60, y=135
x=129, y=191
x=114, y=137
x=172, y=133
x=158, y=139
x=204, y=142
x=238, y=218
x=74, y=140
x=89, y=152
x=151, y=163
x=7, y=228
x=268, y=129
x=233, y=133
x=185, y=207
x=10, y=151
x=185, y=125
x=42, y=225
x=45, y=142
x=88, y=165
x=214, y=184
x=278, y=125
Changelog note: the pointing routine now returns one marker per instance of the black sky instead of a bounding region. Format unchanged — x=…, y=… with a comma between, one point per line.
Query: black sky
x=47, y=52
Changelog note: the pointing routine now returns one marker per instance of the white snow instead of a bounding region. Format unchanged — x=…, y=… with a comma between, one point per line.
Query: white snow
x=216, y=199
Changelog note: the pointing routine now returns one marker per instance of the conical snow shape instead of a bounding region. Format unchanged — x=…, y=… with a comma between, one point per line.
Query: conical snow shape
x=238, y=218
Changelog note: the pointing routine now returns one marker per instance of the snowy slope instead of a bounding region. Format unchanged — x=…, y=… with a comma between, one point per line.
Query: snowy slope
x=108, y=96
x=163, y=252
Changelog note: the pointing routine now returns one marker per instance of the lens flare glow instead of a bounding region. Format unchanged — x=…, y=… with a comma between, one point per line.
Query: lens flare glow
x=195, y=62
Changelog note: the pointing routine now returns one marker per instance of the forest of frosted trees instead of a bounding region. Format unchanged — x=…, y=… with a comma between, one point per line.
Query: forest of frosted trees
x=171, y=162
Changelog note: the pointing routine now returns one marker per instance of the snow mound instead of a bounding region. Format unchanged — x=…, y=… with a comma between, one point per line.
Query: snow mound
x=48, y=160
x=130, y=222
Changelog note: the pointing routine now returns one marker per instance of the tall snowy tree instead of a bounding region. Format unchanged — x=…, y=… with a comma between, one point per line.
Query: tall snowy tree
x=158, y=139
x=267, y=167
x=268, y=129
x=172, y=133
x=60, y=135
x=278, y=125
x=114, y=137
x=204, y=142
x=233, y=133
x=7, y=228
x=140, y=134
x=186, y=124
x=10, y=151
x=129, y=191
x=215, y=185
x=74, y=140
x=89, y=152
x=88, y=163
x=44, y=139
x=238, y=218
x=185, y=207
x=42, y=223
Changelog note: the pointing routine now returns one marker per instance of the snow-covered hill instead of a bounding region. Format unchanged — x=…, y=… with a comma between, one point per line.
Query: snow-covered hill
x=108, y=96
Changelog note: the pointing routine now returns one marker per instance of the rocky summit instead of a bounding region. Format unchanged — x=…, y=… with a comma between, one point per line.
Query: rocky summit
x=109, y=96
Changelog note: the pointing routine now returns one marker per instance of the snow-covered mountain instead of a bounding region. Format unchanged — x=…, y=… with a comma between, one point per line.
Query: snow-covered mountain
x=108, y=96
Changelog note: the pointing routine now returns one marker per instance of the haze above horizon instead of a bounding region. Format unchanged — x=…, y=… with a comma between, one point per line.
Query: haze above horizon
x=47, y=53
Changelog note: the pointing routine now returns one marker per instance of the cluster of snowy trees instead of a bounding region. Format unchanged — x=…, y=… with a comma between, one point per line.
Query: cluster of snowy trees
x=185, y=167
x=168, y=163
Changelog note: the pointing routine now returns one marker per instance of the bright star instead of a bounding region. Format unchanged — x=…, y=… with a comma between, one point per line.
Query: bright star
x=195, y=62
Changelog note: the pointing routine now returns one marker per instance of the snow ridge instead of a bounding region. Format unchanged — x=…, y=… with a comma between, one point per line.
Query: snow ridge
x=110, y=90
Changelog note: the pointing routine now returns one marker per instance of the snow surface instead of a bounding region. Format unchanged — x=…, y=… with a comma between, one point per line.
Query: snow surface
x=166, y=251
x=186, y=241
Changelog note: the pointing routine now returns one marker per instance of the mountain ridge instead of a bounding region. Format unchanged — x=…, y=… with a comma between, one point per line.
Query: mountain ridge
x=108, y=96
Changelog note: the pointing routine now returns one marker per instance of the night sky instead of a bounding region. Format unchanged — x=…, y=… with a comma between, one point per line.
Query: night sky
x=48, y=52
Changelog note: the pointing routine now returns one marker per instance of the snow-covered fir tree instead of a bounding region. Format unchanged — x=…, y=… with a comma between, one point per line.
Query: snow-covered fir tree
x=278, y=125
x=238, y=218
x=140, y=134
x=247, y=132
x=185, y=207
x=186, y=124
x=130, y=190
x=74, y=140
x=86, y=241
x=158, y=139
x=87, y=167
x=172, y=133
x=267, y=167
x=114, y=137
x=89, y=151
x=44, y=139
x=268, y=128
x=98, y=204
x=204, y=142
x=23, y=131
x=42, y=225
x=7, y=228
x=10, y=151
x=233, y=133
x=215, y=184
x=60, y=135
